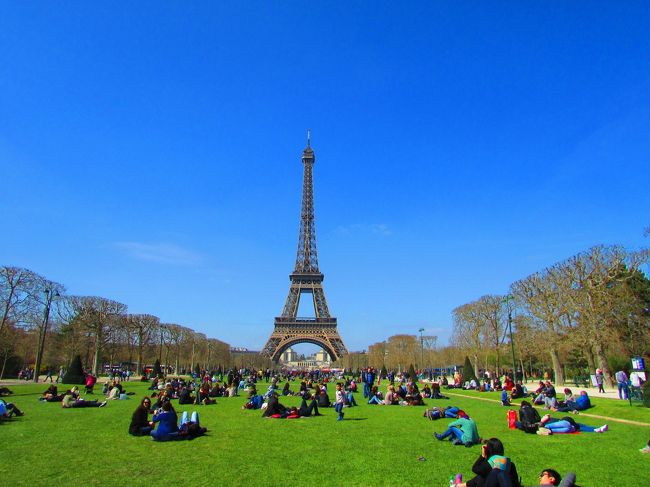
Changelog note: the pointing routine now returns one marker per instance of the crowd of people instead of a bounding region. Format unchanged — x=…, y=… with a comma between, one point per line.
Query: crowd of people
x=156, y=417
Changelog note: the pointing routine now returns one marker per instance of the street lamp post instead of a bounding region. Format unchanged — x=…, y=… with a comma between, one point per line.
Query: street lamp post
x=49, y=297
x=421, y=350
x=512, y=342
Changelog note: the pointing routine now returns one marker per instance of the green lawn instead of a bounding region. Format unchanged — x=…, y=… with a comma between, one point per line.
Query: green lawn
x=374, y=445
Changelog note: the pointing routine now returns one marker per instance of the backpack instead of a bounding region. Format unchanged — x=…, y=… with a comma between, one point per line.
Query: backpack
x=529, y=417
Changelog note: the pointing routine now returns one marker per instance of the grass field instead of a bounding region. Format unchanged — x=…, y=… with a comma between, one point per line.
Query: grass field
x=374, y=445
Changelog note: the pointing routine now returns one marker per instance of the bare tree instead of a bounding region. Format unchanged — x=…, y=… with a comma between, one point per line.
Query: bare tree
x=96, y=315
x=491, y=312
x=18, y=287
x=469, y=331
x=144, y=328
x=540, y=294
x=598, y=296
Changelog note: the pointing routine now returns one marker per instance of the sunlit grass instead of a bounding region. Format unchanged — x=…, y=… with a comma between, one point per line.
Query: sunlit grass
x=375, y=445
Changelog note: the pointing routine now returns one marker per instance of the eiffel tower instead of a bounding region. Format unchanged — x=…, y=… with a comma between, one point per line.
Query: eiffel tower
x=306, y=279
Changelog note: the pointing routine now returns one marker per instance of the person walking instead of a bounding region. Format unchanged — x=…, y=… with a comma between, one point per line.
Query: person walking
x=599, y=380
x=621, y=379
x=340, y=401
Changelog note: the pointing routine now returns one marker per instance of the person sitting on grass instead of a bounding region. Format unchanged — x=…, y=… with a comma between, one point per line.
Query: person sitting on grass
x=322, y=398
x=71, y=400
x=529, y=419
x=538, y=395
x=486, y=467
x=376, y=396
x=286, y=391
x=203, y=395
x=185, y=396
x=505, y=400
x=413, y=396
x=565, y=425
x=166, y=418
x=348, y=398
x=391, y=396
x=550, y=396
x=463, y=431
x=518, y=391
x=274, y=408
x=140, y=424
x=8, y=409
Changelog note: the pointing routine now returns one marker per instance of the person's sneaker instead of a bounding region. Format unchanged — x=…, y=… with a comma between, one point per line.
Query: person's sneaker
x=645, y=449
x=602, y=429
x=543, y=431
x=438, y=437
x=456, y=442
x=102, y=404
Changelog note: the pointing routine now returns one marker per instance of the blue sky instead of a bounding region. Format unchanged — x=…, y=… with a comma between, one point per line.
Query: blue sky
x=150, y=153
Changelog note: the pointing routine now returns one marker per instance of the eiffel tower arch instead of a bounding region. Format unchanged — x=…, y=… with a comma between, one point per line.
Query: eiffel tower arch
x=306, y=279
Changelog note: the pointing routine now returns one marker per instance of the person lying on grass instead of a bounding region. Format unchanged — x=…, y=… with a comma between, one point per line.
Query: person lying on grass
x=574, y=404
x=463, y=431
x=550, y=477
x=565, y=425
x=51, y=395
x=140, y=424
x=71, y=399
x=307, y=411
x=490, y=465
x=8, y=409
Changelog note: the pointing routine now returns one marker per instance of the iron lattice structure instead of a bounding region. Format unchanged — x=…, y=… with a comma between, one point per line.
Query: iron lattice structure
x=306, y=278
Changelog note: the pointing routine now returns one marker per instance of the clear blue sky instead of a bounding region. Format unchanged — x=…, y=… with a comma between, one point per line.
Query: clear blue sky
x=150, y=152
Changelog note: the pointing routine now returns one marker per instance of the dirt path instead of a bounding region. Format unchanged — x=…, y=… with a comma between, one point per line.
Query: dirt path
x=586, y=415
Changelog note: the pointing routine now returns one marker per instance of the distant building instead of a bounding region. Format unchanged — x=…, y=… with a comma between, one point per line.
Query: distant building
x=291, y=359
x=288, y=356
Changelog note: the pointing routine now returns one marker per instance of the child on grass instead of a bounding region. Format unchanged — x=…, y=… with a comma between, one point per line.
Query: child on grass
x=338, y=404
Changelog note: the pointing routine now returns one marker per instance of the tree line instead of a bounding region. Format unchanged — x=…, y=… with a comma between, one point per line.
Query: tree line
x=589, y=311
x=43, y=327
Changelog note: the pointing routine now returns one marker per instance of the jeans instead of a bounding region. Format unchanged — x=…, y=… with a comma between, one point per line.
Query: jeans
x=375, y=400
x=452, y=430
x=193, y=419
x=561, y=426
x=350, y=397
x=550, y=402
x=366, y=390
x=622, y=387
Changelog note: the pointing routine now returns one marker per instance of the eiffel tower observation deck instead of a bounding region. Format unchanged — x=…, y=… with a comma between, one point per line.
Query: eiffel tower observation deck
x=306, y=279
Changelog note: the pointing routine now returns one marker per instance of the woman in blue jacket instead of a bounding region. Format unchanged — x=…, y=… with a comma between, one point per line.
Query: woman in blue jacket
x=167, y=420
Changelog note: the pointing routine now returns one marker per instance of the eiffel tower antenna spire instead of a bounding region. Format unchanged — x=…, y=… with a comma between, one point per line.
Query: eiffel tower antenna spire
x=308, y=138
